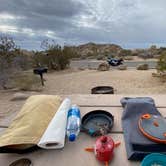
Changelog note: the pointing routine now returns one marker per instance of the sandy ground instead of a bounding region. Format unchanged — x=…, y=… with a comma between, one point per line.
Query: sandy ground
x=124, y=82
x=80, y=82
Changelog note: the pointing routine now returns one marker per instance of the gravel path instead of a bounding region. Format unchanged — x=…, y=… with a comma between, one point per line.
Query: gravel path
x=94, y=64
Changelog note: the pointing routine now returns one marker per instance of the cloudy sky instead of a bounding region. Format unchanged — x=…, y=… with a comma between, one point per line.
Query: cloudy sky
x=130, y=23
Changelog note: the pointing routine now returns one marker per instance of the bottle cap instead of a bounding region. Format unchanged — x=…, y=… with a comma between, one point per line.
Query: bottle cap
x=72, y=137
x=74, y=106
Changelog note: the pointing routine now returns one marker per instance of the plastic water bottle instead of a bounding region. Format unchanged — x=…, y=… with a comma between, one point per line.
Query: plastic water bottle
x=73, y=123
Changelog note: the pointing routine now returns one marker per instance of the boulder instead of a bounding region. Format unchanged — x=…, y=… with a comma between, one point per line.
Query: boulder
x=143, y=67
x=103, y=67
x=122, y=67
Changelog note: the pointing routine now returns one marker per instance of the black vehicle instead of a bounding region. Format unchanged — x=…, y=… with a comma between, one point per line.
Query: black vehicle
x=115, y=62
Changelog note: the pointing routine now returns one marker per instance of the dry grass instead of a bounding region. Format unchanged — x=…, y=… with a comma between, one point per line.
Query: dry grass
x=27, y=81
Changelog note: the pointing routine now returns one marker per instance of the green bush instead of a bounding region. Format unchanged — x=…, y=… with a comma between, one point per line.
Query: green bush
x=54, y=57
x=58, y=57
x=161, y=64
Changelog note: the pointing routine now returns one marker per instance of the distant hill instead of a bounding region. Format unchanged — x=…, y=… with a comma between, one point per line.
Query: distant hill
x=93, y=49
x=100, y=50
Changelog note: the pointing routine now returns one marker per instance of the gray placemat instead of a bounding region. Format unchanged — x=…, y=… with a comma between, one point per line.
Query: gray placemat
x=137, y=145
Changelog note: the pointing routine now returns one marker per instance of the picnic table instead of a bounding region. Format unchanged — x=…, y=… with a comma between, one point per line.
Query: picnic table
x=73, y=154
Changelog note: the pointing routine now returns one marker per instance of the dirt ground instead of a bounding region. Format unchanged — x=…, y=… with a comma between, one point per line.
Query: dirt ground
x=80, y=82
x=124, y=82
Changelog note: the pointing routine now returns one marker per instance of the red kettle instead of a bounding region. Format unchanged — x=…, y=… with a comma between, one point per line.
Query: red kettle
x=104, y=148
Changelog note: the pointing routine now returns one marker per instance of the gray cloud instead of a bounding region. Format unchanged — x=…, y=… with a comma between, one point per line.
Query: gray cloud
x=62, y=8
x=131, y=22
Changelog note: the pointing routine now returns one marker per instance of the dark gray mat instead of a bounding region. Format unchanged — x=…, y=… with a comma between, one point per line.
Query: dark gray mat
x=137, y=145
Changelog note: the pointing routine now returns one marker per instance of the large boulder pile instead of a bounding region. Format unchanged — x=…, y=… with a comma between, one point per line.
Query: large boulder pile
x=93, y=49
x=103, y=67
x=143, y=67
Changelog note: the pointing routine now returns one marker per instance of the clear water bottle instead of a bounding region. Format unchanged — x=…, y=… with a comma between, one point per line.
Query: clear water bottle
x=73, y=123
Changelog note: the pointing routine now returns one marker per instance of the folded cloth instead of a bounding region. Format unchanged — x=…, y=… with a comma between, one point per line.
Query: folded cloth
x=137, y=145
x=27, y=128
x=54, y=136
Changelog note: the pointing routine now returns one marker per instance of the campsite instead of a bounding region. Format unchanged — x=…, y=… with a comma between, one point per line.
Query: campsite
x=82, y=83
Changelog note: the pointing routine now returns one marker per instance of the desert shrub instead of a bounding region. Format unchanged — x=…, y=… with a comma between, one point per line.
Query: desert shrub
x=54, y=57
x=161, y=64
x=153, y=50
x=161, y=50
x=146, y=55
x=12, y=60
x=8, y=52
x=58, y=58
x=90, y=54
x=112, y=56
x=125, y=52
x=39, y=59
x=100, y=57
x=143, y=67
x=22, y=62
x=83, y=57
x=26, y=81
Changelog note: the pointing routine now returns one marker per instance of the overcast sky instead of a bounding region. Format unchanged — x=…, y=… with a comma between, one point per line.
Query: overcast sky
x=130, y=23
